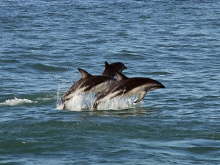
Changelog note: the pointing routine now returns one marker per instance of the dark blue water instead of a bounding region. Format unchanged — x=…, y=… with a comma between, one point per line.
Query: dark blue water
x=176, y=42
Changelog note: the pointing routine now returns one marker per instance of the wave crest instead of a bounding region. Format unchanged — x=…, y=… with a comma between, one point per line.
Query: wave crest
x=16, y=101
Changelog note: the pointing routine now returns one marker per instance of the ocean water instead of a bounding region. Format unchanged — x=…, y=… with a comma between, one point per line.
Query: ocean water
x=43, y=42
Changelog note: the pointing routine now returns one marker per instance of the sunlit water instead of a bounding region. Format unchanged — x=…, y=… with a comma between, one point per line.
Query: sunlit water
x=42, y=43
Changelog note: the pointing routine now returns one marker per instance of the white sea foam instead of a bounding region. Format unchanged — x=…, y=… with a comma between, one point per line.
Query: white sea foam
x=16, y=101
x=78, y=102
x=82, y=102
x=44, y=98
x=118, y=103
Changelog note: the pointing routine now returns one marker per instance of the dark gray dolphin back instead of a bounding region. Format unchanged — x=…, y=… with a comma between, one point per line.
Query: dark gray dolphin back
x=126, y=84
x=86, y=83
x=130, y=83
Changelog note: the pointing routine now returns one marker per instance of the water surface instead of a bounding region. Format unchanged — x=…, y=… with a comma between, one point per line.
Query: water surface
x=175, y=42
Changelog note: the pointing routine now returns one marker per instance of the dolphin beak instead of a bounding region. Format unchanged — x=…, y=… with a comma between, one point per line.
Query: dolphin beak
x=160, y=85
x=125, y=67
x=154, y=85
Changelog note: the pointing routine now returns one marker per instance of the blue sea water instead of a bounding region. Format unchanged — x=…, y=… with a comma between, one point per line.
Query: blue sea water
x=43, y=42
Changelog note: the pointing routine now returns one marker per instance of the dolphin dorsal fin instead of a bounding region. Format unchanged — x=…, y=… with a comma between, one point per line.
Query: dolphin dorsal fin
x=84, y=74
x=106, y=70
x=106, y=64
x=120, y=76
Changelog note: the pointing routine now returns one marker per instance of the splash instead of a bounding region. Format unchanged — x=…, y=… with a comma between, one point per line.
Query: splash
x=16, y=101
x=78, y=102
x=118, y=103
x=84, y=102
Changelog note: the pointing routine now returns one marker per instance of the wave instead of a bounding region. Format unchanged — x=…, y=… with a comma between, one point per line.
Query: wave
x=8, y=61
x=48, y=68
x=17, y=101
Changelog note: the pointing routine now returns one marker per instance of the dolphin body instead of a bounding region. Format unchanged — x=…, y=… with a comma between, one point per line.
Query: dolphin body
x=94, y=83
x=136, y=86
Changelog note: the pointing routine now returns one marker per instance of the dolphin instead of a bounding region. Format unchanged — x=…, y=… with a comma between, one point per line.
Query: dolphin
x=136, y=86
x=111, y=69
x=94, y=83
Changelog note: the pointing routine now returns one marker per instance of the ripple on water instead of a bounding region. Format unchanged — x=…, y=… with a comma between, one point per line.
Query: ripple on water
x=174, y=42
x=47, y=68
x=8, y=61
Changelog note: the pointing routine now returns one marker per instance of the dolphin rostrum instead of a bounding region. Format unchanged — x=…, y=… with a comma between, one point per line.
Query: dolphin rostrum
x=136, y=86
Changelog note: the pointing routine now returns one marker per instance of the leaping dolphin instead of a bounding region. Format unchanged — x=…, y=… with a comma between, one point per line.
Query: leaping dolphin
x=94, y=83
x=136, y=86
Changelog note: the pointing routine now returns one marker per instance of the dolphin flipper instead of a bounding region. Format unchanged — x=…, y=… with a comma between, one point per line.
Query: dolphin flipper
x=140, y=97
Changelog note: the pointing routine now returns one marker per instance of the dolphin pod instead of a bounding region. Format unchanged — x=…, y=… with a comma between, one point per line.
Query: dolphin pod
x=111, y=84
x=93, y=83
